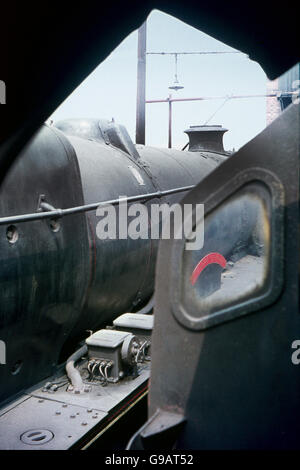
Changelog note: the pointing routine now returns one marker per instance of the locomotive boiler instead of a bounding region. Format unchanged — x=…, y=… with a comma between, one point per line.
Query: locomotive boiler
x=57, y=278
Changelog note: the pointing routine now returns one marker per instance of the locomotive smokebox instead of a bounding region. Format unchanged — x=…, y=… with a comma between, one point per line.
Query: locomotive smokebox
x=206, y=138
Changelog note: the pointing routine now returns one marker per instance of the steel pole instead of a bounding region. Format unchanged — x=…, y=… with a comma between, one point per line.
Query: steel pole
x=141, y=86
x=170, y=122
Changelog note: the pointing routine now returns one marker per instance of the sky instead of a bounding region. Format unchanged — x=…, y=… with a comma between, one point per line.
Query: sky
x=110, y=90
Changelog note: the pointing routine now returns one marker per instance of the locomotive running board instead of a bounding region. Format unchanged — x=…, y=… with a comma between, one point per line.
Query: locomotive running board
x=44, y=420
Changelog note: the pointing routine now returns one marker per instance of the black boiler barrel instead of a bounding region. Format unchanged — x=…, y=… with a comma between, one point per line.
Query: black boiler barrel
x=57, y=280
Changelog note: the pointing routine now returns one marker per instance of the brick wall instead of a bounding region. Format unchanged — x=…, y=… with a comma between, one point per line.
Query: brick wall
x=273, y=105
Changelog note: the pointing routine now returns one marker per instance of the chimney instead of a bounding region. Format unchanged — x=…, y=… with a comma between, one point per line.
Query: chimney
x=206, y=138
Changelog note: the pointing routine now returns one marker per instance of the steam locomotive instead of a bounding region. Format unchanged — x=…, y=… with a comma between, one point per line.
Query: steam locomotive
x=58, y=280
x=78, y=336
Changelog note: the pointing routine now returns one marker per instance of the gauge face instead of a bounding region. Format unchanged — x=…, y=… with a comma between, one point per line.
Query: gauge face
x=234, y=265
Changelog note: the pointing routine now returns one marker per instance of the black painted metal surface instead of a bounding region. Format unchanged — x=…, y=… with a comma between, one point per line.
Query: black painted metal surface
x=235, y=383
x=57, y=278
x=206, y=138
x=44, y=275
